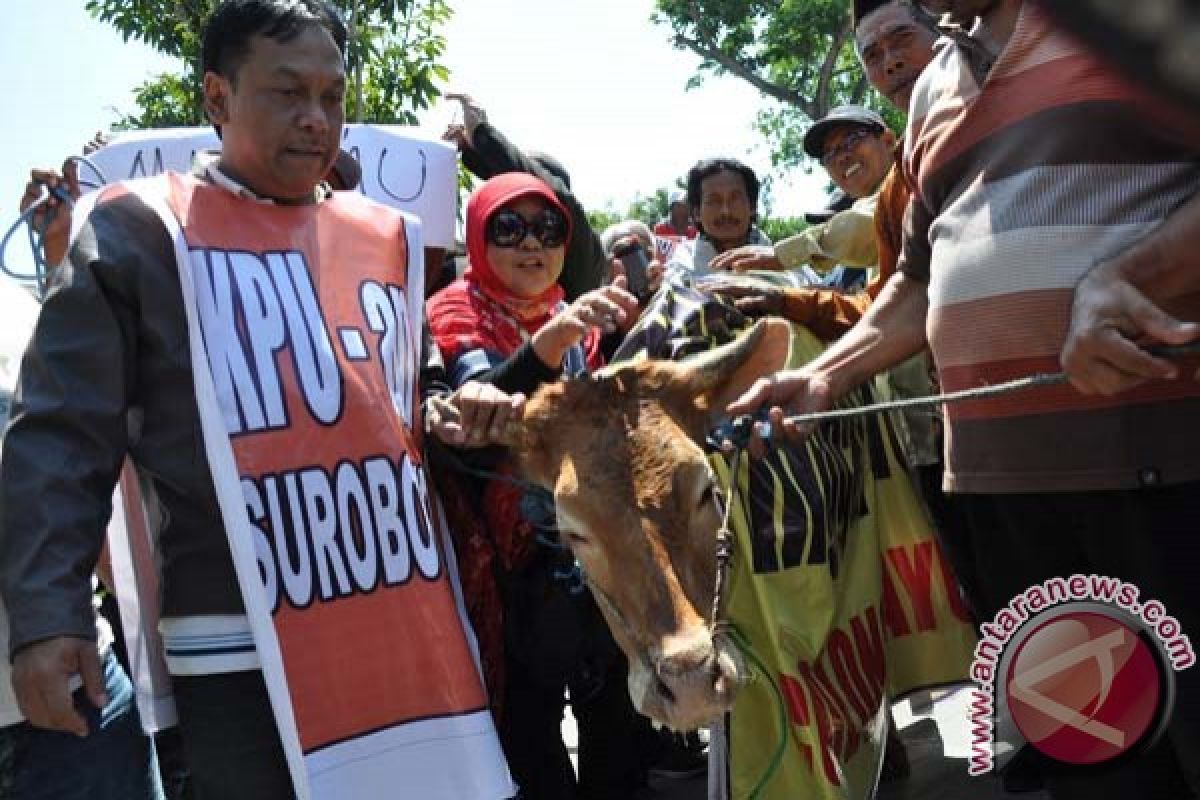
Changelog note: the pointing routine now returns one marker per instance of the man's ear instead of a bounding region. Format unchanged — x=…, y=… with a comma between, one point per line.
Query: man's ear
x=217, y=92
x=716, y=378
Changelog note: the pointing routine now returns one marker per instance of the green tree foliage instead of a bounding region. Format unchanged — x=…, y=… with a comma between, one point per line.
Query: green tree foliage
x=602, y=218
x=649, y=208
x=799, y=53
x=393, y=57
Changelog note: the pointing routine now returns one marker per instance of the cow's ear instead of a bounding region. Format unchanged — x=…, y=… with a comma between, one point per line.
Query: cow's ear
x=718, y=377
x=524, y=437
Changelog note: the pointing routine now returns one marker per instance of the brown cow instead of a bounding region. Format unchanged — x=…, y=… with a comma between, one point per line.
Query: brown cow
x=622, y=453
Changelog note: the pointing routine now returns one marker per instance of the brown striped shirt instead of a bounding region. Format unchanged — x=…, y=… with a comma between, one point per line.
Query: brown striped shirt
x=1022, y=184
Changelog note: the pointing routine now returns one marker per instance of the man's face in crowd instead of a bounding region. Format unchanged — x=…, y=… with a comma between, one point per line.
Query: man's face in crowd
x=680, y=217
x=725, y=212
x=858, y=158
x=894, y=49
x=281, y=116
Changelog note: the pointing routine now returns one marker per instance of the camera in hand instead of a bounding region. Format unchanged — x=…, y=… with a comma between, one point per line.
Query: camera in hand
x=633, y=256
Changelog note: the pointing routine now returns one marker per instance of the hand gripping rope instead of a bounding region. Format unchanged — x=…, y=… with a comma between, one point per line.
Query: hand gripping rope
x=733, y=437
x=741, y=426
x=37, y=233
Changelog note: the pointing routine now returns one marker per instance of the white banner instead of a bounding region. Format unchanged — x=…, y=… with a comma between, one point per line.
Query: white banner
x=399, y=169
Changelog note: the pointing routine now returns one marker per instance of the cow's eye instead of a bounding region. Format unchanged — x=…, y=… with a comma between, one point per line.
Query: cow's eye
x=706, y=497
x=574, y=538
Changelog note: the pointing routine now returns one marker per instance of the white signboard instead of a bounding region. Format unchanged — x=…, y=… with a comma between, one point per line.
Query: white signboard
x=416, y=175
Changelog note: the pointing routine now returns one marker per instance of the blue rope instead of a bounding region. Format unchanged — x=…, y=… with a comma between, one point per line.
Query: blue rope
x=37, y=232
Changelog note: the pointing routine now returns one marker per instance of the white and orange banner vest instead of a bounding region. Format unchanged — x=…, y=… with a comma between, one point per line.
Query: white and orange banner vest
x=305, y=327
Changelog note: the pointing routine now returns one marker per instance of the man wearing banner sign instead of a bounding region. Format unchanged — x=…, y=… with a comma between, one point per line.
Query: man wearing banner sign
x=254, y=342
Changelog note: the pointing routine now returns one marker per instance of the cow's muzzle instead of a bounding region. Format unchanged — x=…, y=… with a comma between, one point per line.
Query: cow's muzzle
x=689, y=681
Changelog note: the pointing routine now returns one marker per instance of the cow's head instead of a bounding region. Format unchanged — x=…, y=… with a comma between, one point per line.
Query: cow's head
x=623, y=454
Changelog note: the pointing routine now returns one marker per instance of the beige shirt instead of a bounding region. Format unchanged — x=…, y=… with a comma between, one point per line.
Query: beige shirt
x=847, y=239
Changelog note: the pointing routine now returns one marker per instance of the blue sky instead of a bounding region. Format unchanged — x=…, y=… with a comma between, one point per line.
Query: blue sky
x=592, y=81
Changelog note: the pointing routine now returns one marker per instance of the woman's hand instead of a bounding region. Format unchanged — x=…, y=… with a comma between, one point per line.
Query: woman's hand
x=610, y=309
x=656, y=270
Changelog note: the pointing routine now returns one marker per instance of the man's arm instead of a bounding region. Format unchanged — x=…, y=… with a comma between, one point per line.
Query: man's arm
x=892, y=331
x=1131, y=297
x=848, y=238
x=62, y=454
x=54, y=235
x=473, y=415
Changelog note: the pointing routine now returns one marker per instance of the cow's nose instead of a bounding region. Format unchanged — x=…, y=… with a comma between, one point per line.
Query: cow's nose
x=686, y=654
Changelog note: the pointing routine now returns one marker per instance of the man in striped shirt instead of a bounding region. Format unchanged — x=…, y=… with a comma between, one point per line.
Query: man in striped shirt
x=1033, y=162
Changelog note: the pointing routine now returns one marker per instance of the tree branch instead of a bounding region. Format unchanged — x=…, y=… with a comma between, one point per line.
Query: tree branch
x=707, y=48
x=822, y=98
x=860, y=89
x=739, y=69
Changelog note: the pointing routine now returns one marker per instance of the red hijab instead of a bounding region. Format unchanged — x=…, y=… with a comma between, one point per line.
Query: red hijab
x=479, y=311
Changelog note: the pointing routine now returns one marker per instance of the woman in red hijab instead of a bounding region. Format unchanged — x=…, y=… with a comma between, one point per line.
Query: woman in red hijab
x=505, y=323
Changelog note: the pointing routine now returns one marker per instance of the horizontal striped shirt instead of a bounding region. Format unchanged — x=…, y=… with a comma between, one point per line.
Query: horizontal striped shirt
x=1023, y=183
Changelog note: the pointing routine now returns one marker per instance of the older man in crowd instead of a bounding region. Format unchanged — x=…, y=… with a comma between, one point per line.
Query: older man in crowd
x=1054, y=219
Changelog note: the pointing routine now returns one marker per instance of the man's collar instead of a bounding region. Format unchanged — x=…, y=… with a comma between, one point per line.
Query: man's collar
x=977, y=49
x=206, y=165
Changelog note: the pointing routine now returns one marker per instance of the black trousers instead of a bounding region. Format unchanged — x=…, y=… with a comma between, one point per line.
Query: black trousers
x=950, y=528
x=230, y=741
x=616, y=744
x=1149, y=537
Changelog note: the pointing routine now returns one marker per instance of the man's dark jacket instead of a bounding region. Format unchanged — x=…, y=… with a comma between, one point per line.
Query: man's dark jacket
x=108, y=372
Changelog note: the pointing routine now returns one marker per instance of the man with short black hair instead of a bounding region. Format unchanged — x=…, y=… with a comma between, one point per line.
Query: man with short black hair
x=723, y=196
x=117, y=366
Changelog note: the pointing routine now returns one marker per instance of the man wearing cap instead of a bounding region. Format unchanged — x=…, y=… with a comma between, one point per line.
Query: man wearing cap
x=856, y=148
x=678, y=222
x=894, y=40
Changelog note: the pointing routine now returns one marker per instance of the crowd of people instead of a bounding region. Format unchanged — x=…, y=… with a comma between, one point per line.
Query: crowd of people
x=1037, y=213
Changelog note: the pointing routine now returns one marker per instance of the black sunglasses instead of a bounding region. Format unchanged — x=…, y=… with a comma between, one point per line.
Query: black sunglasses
x=508, y=228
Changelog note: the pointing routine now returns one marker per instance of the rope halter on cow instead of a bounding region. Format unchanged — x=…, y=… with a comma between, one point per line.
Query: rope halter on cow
x=732, y=438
